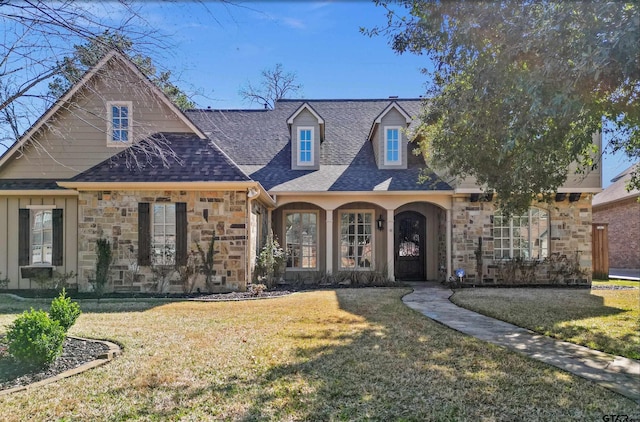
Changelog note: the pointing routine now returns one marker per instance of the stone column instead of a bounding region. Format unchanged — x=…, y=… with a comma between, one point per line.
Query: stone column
x=390, y=245
x=329, y=242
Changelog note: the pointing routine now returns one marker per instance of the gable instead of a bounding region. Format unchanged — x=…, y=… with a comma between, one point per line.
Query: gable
x=72, y=135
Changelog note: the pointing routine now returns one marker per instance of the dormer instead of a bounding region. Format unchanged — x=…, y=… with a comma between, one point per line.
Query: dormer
x=306, y=128
x=388, y=137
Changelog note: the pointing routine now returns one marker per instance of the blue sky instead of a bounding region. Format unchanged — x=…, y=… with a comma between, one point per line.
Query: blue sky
x=221, y=47
x=217, y=48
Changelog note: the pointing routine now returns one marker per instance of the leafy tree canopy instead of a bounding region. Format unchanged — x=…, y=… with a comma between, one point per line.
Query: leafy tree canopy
x=89, y=54
x=519, y=88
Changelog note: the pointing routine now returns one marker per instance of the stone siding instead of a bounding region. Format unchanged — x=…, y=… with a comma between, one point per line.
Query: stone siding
x=570, y=237
x=113, y=215
x=623, y=232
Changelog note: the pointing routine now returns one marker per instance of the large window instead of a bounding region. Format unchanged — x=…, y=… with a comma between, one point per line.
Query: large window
x=356, y=239
x=301, y=239
x=119, y=115
x=41, y=237
x=525, y=236
x=305, y=146
x=163, y=236
x=392, y=154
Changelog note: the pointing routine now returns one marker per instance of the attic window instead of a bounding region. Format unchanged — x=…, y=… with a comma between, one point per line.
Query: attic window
x=119, y=120
x=392, y=150
x=305, y=146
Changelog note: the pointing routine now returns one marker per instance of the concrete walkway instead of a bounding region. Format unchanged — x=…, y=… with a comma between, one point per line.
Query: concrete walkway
x=616, y=373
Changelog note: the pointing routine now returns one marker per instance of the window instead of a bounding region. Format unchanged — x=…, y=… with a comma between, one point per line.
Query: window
x=525, y=236
x=305, y=146
x=301, y=239
x=119, y=117
x=356, y=240
x=163, y=237
x=40, y=236
x=162, y=233
x=392, y=152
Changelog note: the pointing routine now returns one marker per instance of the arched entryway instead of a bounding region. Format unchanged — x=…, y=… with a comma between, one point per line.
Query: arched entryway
x=409, y=246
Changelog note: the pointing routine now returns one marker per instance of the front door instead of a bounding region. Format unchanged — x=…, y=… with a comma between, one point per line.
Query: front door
x=409, y=242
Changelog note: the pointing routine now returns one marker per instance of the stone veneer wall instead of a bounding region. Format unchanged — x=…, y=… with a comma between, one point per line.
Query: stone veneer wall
x=114, y=215
x=570, y=225
x=623, y=232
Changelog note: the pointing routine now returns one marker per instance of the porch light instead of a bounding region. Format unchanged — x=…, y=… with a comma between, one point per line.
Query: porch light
x=380, y=223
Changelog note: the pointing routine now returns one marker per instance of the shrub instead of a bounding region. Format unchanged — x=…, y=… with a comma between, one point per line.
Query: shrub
x=64, y=310
x=35, y=339
x=103, y=264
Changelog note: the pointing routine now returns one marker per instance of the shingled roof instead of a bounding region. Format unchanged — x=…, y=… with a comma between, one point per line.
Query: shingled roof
x=259, y=142
x=200, y=161
x=28, y=184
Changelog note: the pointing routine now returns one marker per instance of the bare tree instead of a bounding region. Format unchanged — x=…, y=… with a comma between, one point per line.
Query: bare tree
x=275, y=85
x=40, y=40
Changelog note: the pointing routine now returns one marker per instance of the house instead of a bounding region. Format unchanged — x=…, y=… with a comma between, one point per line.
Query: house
x=619, y=210
x=336, y=181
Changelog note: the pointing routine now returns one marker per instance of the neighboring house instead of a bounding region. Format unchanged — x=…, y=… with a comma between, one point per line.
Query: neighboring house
x=336, y=181
x=619, y=209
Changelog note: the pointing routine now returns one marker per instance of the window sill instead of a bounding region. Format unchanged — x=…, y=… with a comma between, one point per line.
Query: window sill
x=37, y=271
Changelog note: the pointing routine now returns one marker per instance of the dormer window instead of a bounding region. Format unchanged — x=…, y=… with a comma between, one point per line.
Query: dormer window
x=305, y=146
x=392, y=150
x=307, y=132
x=119, y=118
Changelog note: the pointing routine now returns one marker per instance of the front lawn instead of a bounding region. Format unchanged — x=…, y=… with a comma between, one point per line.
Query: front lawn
x=607, y=320
x=347, y=354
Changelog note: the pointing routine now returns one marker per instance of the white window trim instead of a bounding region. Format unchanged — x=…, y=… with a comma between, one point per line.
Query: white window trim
x=42, y=207
x=31, y=217
x=529, y=229
x=153, y=226
x=284, y=225
x=110, y=141
x=373, y=239
x=386, y=160
x=313, y=146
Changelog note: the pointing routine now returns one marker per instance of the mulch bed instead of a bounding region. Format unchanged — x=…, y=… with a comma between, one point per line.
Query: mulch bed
x=613, y=287
x=217, y=297
x=75, y=352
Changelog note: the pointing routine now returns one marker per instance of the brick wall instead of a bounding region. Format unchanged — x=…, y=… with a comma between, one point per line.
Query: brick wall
x=623, y=219
x=569, y=225
x=113, y=215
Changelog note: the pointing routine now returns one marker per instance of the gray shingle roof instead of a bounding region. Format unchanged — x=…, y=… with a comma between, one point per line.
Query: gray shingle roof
x=259, y=142
x=201, y=161
x=28, y=184
x=617, y=191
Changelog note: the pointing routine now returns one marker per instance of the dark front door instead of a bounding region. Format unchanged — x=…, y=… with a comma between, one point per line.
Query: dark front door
x=410, y=235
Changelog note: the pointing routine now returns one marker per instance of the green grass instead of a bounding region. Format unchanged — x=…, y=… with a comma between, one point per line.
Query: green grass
x=612, y=282
x=607, y=320
x=346, y=354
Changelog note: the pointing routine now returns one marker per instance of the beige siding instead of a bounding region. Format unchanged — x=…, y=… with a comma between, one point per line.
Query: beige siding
x=392, y=118
x=4, y=237
x=75, y=139
x=305, y=119
x=9, y=209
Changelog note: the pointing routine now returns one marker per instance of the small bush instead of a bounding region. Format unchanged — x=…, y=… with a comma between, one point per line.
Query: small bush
x=35, y=339
x=257, y=289
x=64, y=310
